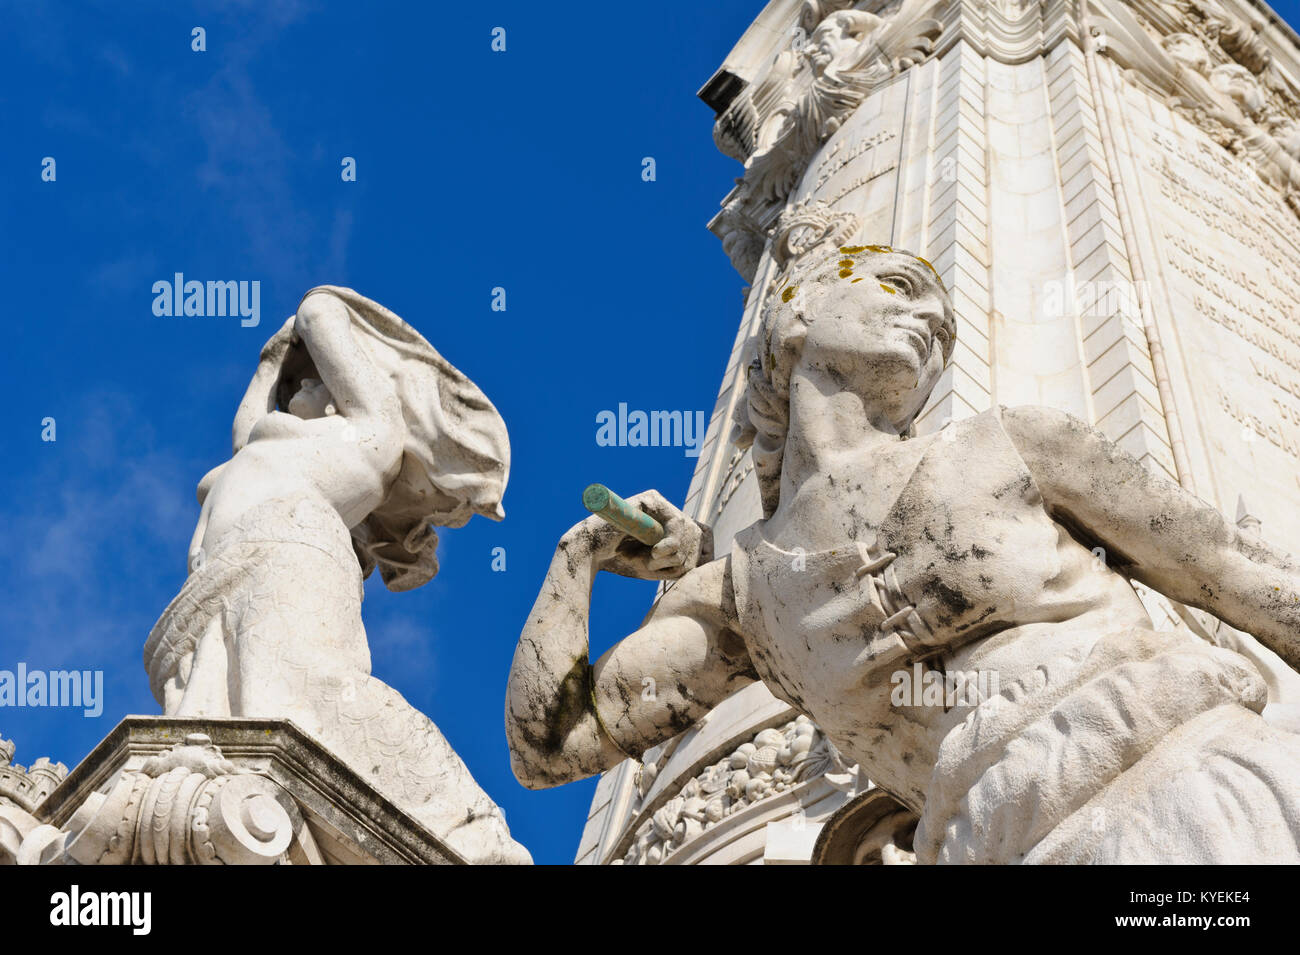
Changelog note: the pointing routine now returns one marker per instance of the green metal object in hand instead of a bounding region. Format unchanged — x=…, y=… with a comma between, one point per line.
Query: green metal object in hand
x=628, y=518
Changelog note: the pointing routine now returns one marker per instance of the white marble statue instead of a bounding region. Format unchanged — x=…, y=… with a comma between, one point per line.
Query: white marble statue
x=1005, y=544
x=353, y=439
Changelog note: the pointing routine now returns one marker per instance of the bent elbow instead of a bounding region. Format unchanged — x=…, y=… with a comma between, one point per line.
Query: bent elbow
x=529, y=773
x=318, y=307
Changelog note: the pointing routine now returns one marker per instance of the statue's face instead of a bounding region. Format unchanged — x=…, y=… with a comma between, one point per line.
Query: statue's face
x=878, y=327
x=311, y=400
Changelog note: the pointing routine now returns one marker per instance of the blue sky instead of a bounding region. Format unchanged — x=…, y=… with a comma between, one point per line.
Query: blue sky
x=475, y=169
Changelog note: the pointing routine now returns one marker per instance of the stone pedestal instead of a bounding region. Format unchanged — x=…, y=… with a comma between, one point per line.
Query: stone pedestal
x=160, y=790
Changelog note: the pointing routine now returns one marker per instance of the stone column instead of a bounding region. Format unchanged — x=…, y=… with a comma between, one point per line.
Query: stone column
x=1110, y=191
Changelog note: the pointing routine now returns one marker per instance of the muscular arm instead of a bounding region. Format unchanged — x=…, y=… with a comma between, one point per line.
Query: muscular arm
x=1165, y=537
x=566, y=720
x=259, y=397
x=360, y=389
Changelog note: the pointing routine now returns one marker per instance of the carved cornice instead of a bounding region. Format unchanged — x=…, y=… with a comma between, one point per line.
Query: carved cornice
x=1213, y=68
x=1009, y=31
x=346, y=821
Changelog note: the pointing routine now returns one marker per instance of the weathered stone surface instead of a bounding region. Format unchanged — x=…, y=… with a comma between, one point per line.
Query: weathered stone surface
x=882, y=556
x=1107, y=190
x=22, y=790
x=355, y=438
x=262, y=792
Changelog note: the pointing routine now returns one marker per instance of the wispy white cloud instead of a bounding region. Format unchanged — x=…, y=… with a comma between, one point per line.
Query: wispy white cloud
x=99, y=539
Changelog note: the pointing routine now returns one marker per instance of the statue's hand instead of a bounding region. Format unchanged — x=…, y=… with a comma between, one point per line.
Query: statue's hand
x=686, y=544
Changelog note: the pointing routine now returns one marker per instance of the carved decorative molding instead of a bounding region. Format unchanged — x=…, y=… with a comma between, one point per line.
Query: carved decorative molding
x=833, y=60
x=805, y=226
x=873, y=828
x=1012, y=31
x=774, y=761
x=187, y=806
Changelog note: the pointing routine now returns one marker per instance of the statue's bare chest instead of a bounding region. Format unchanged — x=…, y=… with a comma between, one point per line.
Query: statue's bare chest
x=954, y=547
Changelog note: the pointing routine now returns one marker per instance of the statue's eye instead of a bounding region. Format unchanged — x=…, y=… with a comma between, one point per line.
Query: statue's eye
x=900, y=282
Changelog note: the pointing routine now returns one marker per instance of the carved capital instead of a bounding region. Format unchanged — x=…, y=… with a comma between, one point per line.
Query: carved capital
x=188, y=806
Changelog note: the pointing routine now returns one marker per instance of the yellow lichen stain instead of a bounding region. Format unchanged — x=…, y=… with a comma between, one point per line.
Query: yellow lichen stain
x=888, y=289
x=789, y=293
x=846, y=264
x=932, y=269
x=858, y=279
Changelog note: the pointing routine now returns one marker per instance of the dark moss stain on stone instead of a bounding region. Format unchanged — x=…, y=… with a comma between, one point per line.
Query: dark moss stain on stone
x=975, y=622
x=939, y=591
x=570, y=706
x=1022, y=486
x=1116, y=559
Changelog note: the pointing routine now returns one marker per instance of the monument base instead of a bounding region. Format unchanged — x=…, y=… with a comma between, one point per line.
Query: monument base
x=169, y=790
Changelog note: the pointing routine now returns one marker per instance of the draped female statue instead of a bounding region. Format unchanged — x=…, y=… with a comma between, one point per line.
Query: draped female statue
x=354, y=439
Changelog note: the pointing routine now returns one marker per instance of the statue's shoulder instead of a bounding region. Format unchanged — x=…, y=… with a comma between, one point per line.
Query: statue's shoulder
x=1037, y=428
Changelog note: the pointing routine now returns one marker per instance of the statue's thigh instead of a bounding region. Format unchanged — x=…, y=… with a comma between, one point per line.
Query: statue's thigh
x=292, y=640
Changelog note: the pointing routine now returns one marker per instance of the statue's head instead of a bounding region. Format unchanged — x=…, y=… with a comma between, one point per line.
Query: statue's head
x=871, y=320
x=456, y=452
x=838, y=33
x=311, y=400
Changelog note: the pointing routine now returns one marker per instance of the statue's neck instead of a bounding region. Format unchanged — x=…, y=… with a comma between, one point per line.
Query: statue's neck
x=827, y=425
